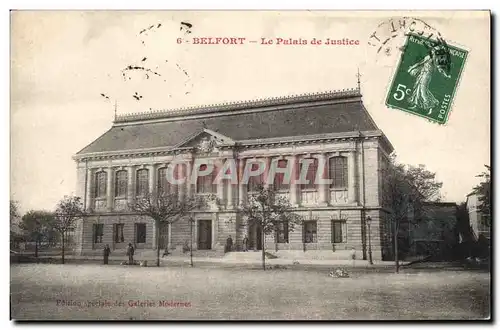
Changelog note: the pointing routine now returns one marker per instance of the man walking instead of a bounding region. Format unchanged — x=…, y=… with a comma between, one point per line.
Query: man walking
x=130, y=254
x=245, y=244
x=106, y=253
x=229, y=244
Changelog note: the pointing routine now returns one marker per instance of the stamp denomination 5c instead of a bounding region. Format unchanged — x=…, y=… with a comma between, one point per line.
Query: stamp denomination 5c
x=426, y=78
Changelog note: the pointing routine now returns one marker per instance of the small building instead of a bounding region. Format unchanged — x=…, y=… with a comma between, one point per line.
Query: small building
x=332, y=128
x=434, y=231
x=478, y=221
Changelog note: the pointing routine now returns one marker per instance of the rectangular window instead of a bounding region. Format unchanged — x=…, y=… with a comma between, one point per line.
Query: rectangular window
x=206, y=183
x=142, y=182
x=310, y=231
x=118, y=233
x=98, y=232
x=282, y=234
x=337, y=234
x=338, y=172
x=100, y=184
x=140, y=233
x=279, y=177
x=311, y=173
x=255, y=181
x=163, y=184
x=121, y=184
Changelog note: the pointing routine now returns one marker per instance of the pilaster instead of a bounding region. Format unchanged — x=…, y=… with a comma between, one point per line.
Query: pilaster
x=351, y=180
x=109, y=189
x=131, y=184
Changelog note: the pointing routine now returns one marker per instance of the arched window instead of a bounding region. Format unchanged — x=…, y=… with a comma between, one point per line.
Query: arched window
x=142, y=182
x=311, y=173
x=279, y=177
x=121, y=182
x=163, y=184
x=206, y=183
x=338, y=172
x=100, y=184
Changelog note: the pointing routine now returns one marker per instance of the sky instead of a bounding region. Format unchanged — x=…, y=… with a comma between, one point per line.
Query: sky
x=61, y=63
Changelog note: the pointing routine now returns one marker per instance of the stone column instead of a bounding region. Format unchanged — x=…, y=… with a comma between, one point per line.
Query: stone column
x=88, y=193
x=230, y=187
x=189, y=184
x=109, y=189
x=351, y=180
x=220, y=185
x=241, y=186
x=181, y=187
x=215, y=233
x=131, y=184
x=322, y=187
x=293, y=180
x=152, y=181
x=267, y=162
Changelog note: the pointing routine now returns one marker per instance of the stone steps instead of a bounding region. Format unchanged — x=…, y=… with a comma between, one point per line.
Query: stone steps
x=291, y=255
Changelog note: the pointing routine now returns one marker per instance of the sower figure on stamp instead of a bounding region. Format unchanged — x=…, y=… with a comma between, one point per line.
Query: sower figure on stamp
x=229, y=244
x=106, y=253
x=130, y=254
x=438, y=59
x=245, y=244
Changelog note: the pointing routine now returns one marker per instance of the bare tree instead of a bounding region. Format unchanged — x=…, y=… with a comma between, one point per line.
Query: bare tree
x=68, y=210
x=268, y=211
x=404, y=189
x=14, y=211
x=165, y=208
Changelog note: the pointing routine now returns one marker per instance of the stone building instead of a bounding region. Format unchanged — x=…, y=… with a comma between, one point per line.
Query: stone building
x=435, y=231
x=478, y=223
x=331, y=127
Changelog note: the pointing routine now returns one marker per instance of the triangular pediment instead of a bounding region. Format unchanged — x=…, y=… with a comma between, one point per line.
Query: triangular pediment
x=205, y=140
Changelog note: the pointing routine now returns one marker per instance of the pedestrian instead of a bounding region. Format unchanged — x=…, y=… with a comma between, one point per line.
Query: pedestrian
x=106, y=253
x=229, y=244
x=130, y=254
x=165, y=253
x=245, y=244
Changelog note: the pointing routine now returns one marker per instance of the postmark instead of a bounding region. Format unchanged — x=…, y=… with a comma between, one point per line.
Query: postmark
x=388, y=40
x=426, y=78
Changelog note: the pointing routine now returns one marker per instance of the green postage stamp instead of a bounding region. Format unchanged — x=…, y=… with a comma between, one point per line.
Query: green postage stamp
x=427, y=77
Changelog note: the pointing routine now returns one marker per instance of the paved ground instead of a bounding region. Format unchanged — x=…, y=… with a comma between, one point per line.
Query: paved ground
x=38, y=292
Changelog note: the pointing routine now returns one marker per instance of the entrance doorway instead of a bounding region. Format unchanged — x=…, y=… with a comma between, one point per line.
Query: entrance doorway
x=255, y=237
x=204, y=234
x=163, y=234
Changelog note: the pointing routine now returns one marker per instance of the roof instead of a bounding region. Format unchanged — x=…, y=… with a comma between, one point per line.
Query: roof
x=302, y=115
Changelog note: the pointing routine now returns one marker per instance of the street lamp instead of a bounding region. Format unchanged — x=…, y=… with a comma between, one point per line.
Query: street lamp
x=368, y=221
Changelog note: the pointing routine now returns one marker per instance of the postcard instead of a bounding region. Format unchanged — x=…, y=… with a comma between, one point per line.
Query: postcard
x=250, y=165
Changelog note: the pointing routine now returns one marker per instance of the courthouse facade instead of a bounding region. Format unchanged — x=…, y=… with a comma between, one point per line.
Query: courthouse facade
x=331, y=128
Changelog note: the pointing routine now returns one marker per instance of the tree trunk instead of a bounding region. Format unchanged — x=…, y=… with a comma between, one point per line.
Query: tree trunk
x=36, y=249
x=62, y=248
x=263, y=250
x=304, y=237
x=158, y=244
x=191, y=243
x=276, y=241
x=396, y=254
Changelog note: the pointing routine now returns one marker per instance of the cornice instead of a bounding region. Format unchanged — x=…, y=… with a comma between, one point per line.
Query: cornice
x=239, y=145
